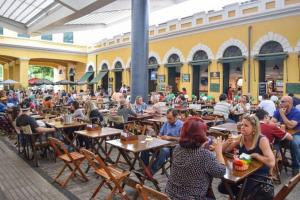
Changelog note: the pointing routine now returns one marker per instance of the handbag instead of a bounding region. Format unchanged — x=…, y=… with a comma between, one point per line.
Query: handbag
x=264, y=189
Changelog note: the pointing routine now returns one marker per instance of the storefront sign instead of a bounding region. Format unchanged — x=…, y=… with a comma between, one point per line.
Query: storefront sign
x=161, y=78
x=214, y=87
x=262, y=88
x=214, y=74
x=293, y=88
x=185, y=77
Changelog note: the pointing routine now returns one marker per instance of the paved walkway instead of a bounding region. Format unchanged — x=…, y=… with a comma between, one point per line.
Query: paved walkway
x=18, y=180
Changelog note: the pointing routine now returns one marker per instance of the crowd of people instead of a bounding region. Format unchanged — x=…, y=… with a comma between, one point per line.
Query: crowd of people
x=194, y=164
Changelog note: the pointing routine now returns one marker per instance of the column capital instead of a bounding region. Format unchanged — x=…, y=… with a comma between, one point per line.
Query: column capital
x=24, y=59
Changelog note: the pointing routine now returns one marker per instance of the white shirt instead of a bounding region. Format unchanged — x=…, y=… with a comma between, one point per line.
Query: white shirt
x=268, y=106
x=274, y=98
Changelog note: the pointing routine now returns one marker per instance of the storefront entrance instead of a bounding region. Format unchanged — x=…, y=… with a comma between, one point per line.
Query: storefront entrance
x=118, y=76
x=271, y=61
x=152, y=74
x=174, y=66
x=232, y=69
x=200, y=73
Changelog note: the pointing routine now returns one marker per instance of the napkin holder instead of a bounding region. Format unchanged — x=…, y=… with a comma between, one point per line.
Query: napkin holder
x=93, y=127
x=128, y=137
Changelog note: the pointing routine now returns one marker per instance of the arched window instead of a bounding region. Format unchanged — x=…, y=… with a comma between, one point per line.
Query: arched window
x=118, y=65
x=90, y=69
x=104, y=66
x=232, y=51
x=174, y=58
x=271, y=47
x=152, y=61
x=200, y=55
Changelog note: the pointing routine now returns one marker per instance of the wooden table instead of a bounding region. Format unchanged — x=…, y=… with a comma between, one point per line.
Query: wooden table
x=235, y=177
x=227, y=127
x=98, y=137
x=63, y=128
x=39, y=117
x=292, y=131
x=140, y=117
x=136, y=147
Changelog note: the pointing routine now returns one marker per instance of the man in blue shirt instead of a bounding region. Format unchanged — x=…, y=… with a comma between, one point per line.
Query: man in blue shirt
x=3, y=106
x=290, y=116
x=169, y=131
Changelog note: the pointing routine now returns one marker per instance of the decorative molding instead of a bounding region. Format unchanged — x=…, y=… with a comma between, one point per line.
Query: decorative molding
x=297, y=48
x=232, y=42
x=105, y=61
x=198, y=47
x=116, y=60
x=173, y=50
x=155, y=55
x=270, y=36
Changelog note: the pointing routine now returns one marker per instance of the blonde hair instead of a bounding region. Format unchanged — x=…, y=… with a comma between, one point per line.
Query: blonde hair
x=89, y=106
x=256, y=129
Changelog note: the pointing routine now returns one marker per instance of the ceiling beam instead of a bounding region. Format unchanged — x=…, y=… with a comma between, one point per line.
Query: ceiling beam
x=12, y=25
x=64, y=15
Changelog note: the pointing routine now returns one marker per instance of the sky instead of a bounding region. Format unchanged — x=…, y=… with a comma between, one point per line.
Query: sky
x=177, y=11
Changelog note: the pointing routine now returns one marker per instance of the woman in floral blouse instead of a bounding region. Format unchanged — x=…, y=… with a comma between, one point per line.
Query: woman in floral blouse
x=194, y=166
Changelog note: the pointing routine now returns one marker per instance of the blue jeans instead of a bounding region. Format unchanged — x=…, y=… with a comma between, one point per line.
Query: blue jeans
x=163, y=155
x=295, y=151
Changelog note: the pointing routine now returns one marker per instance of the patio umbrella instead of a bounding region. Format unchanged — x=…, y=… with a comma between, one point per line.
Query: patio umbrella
x=33, y=81
x=44, y=82
x=65, y=82
x=9, y=82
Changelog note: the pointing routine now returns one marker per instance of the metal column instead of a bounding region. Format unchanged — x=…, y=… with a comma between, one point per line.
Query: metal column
x=139, y=49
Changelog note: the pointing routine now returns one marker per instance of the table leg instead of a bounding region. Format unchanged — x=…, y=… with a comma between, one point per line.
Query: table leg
x=241, y=192
x=228, y=188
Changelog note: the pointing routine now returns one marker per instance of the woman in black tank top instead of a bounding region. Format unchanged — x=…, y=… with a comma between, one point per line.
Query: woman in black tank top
x=253, y=143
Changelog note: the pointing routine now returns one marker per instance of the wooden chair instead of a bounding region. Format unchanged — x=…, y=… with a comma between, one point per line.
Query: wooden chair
x=147, y=193
x=109, y=173
x=73, y=158
x=32, y=141
x=287, y=188
x=217, y=133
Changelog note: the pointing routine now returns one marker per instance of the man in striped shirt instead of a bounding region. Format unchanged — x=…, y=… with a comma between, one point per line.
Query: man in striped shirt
x=222, y=107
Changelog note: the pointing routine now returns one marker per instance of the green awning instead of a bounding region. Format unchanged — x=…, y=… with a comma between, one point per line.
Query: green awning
x=272, y=56
x=153, y=66
x=232, y=59
x=99, y=76
x=117, y=70
x=200, y=62
x=178, y=64
x=85, y=77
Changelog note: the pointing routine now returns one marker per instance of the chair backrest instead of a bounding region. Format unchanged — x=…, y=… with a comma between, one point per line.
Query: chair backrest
x=59, y=147
x=118, y=119
x=287, y=188
x=216, y=134
x=90, y=156
x=93, y=159
x=147, y=193
x=26, y=130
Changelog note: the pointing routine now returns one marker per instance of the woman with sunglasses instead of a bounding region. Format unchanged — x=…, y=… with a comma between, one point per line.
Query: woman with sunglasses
x=253, y=143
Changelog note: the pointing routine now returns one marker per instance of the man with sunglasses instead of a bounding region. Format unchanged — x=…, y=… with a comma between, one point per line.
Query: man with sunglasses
x=288, y=115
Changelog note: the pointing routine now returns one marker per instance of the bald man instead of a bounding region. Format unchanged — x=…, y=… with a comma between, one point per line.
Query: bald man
x=290, y=116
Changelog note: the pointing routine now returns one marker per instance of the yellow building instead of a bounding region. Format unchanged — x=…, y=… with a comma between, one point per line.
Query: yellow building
x=254, y=46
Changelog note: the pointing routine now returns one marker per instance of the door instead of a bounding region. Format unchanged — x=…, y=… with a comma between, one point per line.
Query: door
x=172, y=78
x=105, y=82
x=118, y=81
x=196, y=80
x=152, y=80
x=226, y=69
